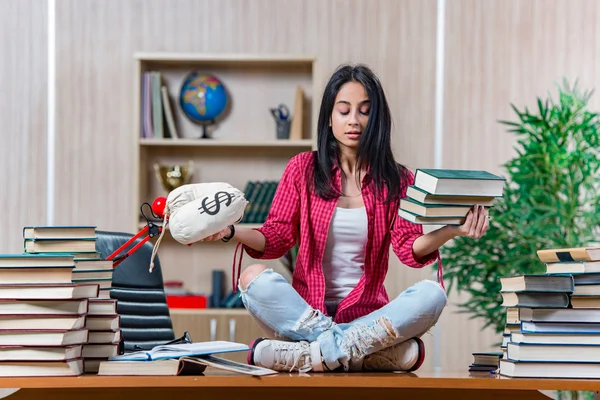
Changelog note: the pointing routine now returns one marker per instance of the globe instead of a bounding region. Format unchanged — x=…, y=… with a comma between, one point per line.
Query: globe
x=202, y=98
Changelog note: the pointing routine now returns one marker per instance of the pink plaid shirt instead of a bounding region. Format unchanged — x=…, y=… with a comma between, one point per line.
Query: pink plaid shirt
x=298, y=214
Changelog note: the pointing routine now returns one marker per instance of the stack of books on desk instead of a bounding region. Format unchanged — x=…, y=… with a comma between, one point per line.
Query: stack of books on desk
x=102, y=322
x=559, y=317
x=42, y=315
x=444, y=196
x=484, y=362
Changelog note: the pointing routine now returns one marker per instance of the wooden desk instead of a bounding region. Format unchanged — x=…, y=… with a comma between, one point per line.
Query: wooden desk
x=222, y=386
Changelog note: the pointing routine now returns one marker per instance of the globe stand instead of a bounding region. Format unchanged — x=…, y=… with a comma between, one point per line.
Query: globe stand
x=205, y=129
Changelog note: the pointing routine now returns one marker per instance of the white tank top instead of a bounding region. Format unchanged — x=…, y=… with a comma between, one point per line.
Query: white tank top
x=344, y=256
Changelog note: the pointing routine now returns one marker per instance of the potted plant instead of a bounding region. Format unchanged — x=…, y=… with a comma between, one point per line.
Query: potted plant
x=551, y=200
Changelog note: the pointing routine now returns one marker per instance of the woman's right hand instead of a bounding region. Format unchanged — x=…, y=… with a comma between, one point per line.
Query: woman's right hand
x=217, y=236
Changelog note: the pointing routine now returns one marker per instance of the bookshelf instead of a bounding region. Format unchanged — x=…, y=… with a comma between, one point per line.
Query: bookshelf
x=243, y=144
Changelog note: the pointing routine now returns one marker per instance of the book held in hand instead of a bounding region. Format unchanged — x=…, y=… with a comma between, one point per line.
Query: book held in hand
x=446, y=196
x=459, y=182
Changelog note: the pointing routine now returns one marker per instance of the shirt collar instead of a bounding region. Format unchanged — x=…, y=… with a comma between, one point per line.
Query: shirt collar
x=337, y=171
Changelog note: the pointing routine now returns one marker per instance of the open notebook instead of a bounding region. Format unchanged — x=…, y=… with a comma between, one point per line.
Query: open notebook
x=175, y=351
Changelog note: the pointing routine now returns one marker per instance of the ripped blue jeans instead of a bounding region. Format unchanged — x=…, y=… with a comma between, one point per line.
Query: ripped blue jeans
x=280, y=310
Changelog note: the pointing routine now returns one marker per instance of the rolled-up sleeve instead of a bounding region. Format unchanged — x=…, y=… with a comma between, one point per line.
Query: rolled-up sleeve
x=281, y=228
x=403, y=235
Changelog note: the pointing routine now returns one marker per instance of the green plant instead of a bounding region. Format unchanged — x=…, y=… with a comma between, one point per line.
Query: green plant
x=551, y=200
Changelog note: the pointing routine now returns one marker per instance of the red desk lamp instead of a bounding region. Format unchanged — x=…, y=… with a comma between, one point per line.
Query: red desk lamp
x=157, y=209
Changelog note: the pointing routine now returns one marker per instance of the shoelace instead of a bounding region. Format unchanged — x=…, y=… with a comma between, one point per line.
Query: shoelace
x=292, y=353
x=360, y=338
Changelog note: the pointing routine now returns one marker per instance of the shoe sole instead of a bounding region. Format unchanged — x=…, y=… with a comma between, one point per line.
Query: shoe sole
x=251, y=352
x=421, y=357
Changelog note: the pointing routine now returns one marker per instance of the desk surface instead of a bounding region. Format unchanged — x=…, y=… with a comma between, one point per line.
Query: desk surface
x=213, y=378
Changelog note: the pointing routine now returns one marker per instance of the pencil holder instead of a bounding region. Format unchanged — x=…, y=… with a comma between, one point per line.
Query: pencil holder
x=283, y=129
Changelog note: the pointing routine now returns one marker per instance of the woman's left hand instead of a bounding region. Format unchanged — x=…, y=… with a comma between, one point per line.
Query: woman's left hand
x=476, y=224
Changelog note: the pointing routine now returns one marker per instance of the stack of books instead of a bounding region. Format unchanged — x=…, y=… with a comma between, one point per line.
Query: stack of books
x=260, y=195
x=444, y=196
x=558, y=333
x=42, y=315
x=485, y=362
x=102, y=321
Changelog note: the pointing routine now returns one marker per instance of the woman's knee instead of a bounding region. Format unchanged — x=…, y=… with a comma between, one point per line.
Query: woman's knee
x=436, y=297
x=250, y=273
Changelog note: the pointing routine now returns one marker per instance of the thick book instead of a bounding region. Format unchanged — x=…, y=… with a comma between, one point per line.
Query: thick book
x=180, y=366
x=170, y=367
x=486, y=358
x=537, y=283
x=553, y=352
x=423, y=197
x=47, y=292
x=587, y=290
x=73, y=367
x=38, y=274
x=574, y=267
x=585, y=301
x=569, y=254
x=560, y=328
x=59, y=246
x=556, y=338
x=560, y=315
x=102, y=307
x=557, y=370
x=59, y=232
x=103, y=322
x=44, y=307
x=433, y=210
x=417, y=219
x=92, y=265
x=43, y=338
x=34, y=260
x=42, y=322
x=92, y=274
x=535, y=299
x=459, y=182
x=100, y=350
x=182, y=350
x=102, y=337
x=35, y=353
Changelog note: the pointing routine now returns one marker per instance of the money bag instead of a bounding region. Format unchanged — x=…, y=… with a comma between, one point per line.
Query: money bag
x=198, y=210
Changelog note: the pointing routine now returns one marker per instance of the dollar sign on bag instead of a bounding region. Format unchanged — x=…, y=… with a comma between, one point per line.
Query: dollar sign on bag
x=207, y=205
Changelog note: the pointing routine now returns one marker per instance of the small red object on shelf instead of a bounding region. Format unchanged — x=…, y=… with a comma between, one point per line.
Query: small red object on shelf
x=186, y=301
x=157, y=209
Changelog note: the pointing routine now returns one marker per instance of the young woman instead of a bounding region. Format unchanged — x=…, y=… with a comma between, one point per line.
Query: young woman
x=340, y=204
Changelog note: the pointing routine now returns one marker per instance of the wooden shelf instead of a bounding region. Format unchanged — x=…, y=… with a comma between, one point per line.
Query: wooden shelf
x=244, y=144
x=304, y=143
x=220, y=58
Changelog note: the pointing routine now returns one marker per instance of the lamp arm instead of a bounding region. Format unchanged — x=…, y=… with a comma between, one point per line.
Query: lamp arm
x=151, y=229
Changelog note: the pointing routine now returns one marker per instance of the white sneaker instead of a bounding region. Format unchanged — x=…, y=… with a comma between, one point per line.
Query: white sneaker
x=286, y=356
x=406, y=356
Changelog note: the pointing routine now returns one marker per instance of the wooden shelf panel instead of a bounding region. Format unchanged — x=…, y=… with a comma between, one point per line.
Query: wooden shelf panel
x=237, y=58
x=304, y=143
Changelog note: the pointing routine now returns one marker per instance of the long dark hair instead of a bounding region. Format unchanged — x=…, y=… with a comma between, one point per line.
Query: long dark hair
x=374, y=148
